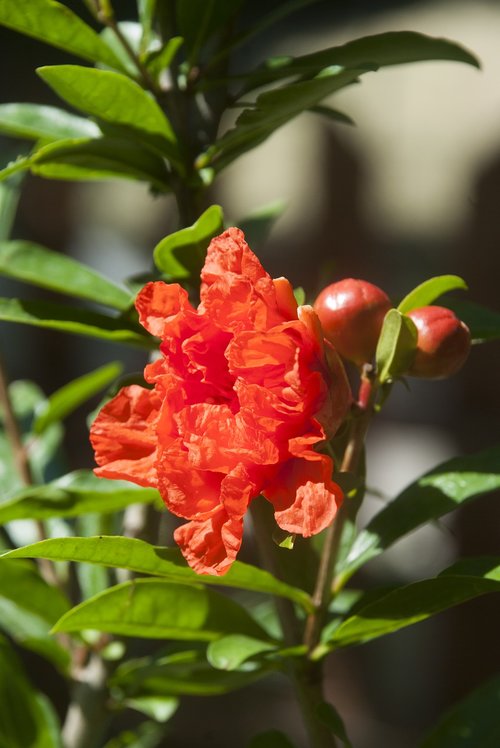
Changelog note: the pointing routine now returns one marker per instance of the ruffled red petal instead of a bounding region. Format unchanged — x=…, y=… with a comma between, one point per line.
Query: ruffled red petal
x=211, y=546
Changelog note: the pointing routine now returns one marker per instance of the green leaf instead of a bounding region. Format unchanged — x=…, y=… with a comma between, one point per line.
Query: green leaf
x=132, y=32
x=159, y=60
x=332, y=719
x=26, y=716
x=98, y=158
x=38, y=122
x=10, y=193
x=396, y=346
x=140, y=557
x=473, y=722
x=53, y=23
x=66, y=399
x=379, y=50
x=483, y=323
x=270, y=739
x=429, y=291
x=159, y=708
x=436, y=493
x=258, y=225
x=158, y=609
x=229, y=652
x=182, y=254
x=198, y=20
x=42, y=267
x=182, y=673
x=413, y=603
x=146, y=735
x=29, y=607
x=113, y=98
x=272, y=110
x=332, y=114
x=73, y=320
x=300, y=295
x=146, y=12
x=72, y=495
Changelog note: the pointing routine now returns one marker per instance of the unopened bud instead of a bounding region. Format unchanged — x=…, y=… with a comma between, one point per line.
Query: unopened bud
x=443, y=342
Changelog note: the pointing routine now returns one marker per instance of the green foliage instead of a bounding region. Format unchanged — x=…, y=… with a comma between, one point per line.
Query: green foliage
x=416, y=602
x=40, y=122
x=182, y=254
x=159, y=708
x=437, y=493
x=396, y=346
x=72, y=495
x=73, y=320
x=143, y=558
x=473, y=722
x=483, y=323
x=158, y=609
x=53, y=23
x=332, y=719
x=429, y=291
x=229, y=652
x=42, y=267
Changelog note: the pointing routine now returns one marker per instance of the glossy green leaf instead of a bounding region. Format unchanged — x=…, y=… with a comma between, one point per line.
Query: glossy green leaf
x=39, y=122
x=143, y=558
x=10, y=193
x=483, y=323
x=185, y=673
x=182, y=254
x=272, y=110
x=26, y=716
x=379, y=50
x=73, y=320
x=66, y=399
x=429, y=291
x=258, y=225
x=396, y=346
x=472, y=723
x=114, y=98
x=436, y=493
x=332, y=719
x=158, y=609
x=271, y=739
x=42, y=267
x=159, y=708
x=20, y=164
x=98, y=158
x=161, y=59
x=72, y=495
x=54, y=23
x=229, y=652
x=416, y=602
x=29, y=607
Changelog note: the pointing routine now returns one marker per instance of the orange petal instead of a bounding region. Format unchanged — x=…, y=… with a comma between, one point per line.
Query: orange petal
x=210, y=546
x=159, y=304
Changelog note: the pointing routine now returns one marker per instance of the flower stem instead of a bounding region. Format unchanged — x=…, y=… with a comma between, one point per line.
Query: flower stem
x=361, y=416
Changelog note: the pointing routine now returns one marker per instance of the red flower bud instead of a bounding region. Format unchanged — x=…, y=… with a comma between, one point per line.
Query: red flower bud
x=351, y=313
x=443, y=342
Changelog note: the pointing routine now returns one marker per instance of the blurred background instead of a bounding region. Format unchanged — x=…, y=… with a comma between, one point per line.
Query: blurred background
x=413, y=190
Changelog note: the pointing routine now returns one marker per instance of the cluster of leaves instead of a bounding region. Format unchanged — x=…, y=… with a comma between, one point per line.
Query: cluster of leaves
x=152, y=107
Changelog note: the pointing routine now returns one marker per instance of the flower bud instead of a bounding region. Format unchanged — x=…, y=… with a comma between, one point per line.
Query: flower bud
x=351, y=313
x=443, y=342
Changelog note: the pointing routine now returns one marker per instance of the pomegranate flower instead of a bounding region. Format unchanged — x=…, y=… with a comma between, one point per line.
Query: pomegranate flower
x=243, y=393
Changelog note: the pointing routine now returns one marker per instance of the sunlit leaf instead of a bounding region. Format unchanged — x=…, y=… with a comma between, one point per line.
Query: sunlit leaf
x=159, y=708
x=54, y=23
x=229, y=652
x=158, y=609
x=138, y=556
x=396, y=346
x=36, y=121
x=42, y=267
x=429, y=291
x=181, y=254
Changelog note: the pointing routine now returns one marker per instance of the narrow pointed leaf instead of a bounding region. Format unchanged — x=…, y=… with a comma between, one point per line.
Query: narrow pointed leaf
x=72, y=495
x=54, y=23
x=42, y=267
x=71, y=319
x=113, y=98
x=159, y=708
x=158, y=609
x=229, y=652
x=413, y=603
x=332, y=719
x=143, y=558
x=396, y=346
x=182, y=254
x=426, y=293
x=435, y=494
x=39, y=122
x=473, y=722
x=65, y=400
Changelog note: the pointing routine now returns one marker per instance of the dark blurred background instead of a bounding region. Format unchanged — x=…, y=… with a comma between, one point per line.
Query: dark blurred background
x=412, y=191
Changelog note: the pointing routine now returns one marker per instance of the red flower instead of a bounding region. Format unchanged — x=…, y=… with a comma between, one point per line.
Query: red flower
x=242, y=395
